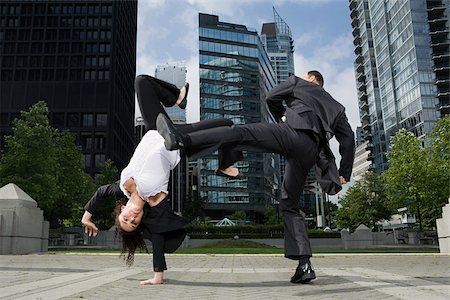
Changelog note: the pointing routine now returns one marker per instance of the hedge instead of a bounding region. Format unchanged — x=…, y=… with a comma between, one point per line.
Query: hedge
x=248, y=231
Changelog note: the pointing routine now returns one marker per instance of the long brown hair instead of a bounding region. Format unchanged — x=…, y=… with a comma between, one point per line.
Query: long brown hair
x=131, y=240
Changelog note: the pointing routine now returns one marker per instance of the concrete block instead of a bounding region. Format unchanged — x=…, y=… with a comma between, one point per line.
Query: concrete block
x=6, y=244
x=443, y=229
x=361, y=238
x=23, y=229
x=13, y=196
x=29, y=222
x=7, y=217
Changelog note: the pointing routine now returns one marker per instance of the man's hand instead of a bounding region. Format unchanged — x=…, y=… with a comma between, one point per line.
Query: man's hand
x=342, y=180
x=90, y=228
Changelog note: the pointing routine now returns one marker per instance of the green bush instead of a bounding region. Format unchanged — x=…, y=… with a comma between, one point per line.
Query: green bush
x=247, y=231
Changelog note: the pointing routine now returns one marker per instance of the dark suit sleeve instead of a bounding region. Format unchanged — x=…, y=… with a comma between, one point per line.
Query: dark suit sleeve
x=101, y=194
x=346, y=138
x=275, y=97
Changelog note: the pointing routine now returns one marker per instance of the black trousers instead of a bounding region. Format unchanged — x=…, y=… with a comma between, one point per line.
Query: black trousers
x=153, y=94
x=166, y=242
x=301, y=153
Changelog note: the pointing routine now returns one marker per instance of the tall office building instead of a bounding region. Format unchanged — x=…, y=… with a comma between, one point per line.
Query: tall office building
x=277, y=40
x=235, y=74
x=401, y=66
x=79, y=57
x=175, y=73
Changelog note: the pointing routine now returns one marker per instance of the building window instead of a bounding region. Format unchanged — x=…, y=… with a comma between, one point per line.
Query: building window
x=86, y=141
x=87, y=120
x=99, y=159
x=100, y=142
x=101, y=120
x=73, y=120
x=87, y=160
x=89, y=75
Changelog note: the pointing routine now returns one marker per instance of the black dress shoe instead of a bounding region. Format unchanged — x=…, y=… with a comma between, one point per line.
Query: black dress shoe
x=223, y=174
x=173, y=140
x=183, y=102
x=304, y=274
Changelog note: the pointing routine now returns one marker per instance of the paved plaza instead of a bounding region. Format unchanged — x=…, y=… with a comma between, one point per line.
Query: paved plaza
x=344, y=276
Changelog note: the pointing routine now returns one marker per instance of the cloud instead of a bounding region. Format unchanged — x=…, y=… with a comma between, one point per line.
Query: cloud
x=233, y=8
x=332, y=61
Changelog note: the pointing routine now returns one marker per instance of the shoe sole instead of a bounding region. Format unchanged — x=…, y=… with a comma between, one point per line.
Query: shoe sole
x=305, y=278
x=165, y=129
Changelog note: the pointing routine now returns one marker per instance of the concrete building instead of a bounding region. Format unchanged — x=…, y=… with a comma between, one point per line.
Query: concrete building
x=361, y=163
x=235, y=74
x=402, y=68
x=80, y=58
x=174, y=73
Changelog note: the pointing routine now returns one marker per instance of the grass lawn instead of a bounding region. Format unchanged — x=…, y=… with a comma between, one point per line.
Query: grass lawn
x=249, y=247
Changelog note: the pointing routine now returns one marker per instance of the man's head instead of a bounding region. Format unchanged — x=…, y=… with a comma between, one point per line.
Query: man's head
x=313, y=76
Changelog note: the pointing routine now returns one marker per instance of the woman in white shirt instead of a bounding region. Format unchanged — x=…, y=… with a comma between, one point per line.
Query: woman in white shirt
x=147, y=213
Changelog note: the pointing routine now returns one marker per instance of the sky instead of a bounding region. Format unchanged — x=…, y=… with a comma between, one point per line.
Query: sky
x=168, y=32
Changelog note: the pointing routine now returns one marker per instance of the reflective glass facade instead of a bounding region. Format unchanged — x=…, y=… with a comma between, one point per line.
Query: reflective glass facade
x=395, y=71
x=235, y=74
x=277, y=40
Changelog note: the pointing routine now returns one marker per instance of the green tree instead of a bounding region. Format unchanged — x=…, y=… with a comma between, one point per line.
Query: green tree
x=46, y=164
x=406, y=179
x=330, y=211
x=271, y=216
x=239, y=215
x=437, y=188
x=364, y=203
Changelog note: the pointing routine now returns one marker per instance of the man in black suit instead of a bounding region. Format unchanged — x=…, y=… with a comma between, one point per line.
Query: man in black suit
x=311, y=117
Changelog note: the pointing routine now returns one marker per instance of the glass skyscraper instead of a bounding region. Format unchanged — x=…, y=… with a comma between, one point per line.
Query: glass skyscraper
x=235, y=74
x=401, y=71
x=277, y=40
x=175, y=73
x=80, y=58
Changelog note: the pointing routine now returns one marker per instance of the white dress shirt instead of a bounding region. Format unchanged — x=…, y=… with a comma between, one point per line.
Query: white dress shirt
x=150, y=166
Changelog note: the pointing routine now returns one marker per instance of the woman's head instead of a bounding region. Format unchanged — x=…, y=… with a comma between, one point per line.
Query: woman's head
x=129, y=215
x=131, y=240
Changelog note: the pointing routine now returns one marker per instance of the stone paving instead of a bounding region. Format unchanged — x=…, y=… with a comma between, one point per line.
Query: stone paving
x=344, y=276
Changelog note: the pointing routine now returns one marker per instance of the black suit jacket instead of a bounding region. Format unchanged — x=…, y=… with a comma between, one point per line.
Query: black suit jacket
x=310, y=107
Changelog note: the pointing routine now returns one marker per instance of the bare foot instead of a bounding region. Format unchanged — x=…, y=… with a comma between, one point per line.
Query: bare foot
x=231, y=171
x=157, y=279
x=181, y=95
x=151, y=281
